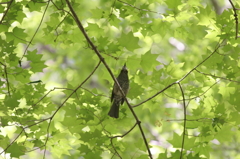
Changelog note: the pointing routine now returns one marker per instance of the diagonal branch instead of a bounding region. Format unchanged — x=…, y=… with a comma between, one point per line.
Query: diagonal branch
x=236, y=17
x=25, y=51
x=94, y=48
x=155, y=95
x=74, y=91
x=185, y=76
x=217, y=76
x=200, y=63
x=145, y=10
x=12, y=142
x=188, y=99
x=9, y=5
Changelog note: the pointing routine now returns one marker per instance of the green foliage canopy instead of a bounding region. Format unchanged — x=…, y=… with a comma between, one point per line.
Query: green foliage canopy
x=59, y=59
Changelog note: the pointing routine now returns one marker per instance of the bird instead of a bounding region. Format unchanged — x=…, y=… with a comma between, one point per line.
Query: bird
x=117, y=97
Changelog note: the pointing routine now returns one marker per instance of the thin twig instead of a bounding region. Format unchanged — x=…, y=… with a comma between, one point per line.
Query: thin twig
x=115, y=150
x=30, y=42
x=45, y=144
x=6, y=74
x=184, y=119
x=198, y=120
x=195, y=96
x=154, y=95
x=5, y=13
x=125, y=132
x=5, y=2
x=218, y=46
x=236, y=17
x=145, y=10
x=13, y=141
x=75, y=90
x=121, y=137
x=185, y=76
x=217, y=77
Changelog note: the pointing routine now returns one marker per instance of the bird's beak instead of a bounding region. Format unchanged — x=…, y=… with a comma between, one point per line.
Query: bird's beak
x=124, y=67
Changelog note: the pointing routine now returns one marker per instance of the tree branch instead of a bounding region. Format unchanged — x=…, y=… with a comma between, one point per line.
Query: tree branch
x=217, y=77
x=236, y=18
x=184, y=119
x=94, y=48
x=185, y=76
x=9, y=5
x=6, y=74
x=25, y=51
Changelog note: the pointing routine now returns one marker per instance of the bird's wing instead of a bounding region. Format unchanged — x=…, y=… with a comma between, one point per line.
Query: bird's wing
x=112, y=96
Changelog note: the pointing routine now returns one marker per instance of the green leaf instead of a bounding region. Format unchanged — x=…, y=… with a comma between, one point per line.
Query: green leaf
x=176, y=141
x=161, y=41
x=149, y=61
x=37, y=66
x=12, y=102
x=16, y=150
x=129, y=41
x=33, y=56
x=18, y=32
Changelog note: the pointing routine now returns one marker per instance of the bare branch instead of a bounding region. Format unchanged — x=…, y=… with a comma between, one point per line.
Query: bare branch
x=6, y=74
x=195, y=96
x=30, y=42
x=185, y=76
x=5, y=2
x=217, y=77
x=122, y=137
x=5, y=13
x=236, y=18
x=184, y=119
x=145, y=10
x=75, y=90
x=13, y=141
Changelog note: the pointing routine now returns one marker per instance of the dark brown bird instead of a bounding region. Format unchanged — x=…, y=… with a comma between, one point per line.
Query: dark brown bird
x=117, y=98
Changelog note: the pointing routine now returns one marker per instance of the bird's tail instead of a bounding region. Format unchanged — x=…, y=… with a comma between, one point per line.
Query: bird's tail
x=114, y=111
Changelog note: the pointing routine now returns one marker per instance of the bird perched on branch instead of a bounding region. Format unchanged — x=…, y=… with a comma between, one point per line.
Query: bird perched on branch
x=117, y=97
